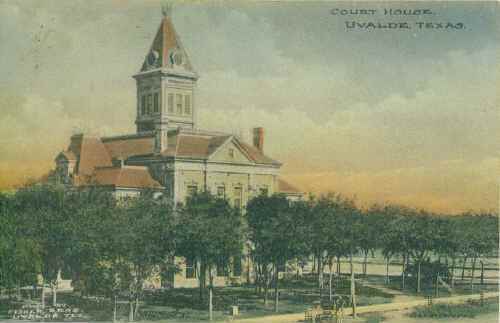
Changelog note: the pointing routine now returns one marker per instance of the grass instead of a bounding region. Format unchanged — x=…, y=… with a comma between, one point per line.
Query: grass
x=374, y=318
x=470, y=309
x=184, y=304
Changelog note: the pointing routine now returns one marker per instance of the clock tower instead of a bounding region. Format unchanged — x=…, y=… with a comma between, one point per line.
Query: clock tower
x=165, y=87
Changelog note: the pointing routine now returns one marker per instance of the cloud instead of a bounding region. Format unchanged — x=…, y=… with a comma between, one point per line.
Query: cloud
x=379, y=119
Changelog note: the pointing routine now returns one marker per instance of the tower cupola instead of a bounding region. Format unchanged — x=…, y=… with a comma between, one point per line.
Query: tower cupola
x=165, y=86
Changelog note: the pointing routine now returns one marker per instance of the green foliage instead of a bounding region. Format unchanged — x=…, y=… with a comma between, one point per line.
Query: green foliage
x=209, y=232
x=470, y=309
x=429, y=271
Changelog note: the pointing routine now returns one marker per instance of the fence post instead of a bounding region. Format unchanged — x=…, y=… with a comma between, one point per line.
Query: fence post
x=437, y=285
x=482, y=272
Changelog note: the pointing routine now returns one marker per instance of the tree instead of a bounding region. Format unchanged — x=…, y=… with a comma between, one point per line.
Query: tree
x=19, y=255
x=138, y=239
x=42, y=210
x=277, y=231
x=210, y=232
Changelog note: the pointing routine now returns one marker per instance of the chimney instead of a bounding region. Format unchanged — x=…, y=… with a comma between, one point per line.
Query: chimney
x=258, y=138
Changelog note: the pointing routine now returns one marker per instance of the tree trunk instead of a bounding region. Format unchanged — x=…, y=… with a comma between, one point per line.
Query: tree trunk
x=136, y=309
x=320, y=272
x=276, y=293
x=472, y=273
x=114, y=309
x=330, y=279
x=387, y=279
x=463, y=267
x=248, y=270
x=403, y=273
x=482, y=273
x=365, y=263
x=266, y=285
x=131, y=308
x=201, y=280
x=43, y=293
x=210, y=294
x=452, y=278
x=353, y=289
x=418, y=277
x=54, y=293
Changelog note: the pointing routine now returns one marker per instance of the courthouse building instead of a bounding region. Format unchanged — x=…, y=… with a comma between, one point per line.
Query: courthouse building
x=168, y=153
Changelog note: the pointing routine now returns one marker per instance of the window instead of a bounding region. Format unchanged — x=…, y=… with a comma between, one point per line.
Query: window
x=231, y=153
x=237, y=266
x=221, y=192
x=237, y=197
x=187, y=104
x=155, y=103
x=190, y=268
x=191, y=190
x=264, y=191
x=221, y=268
x=143, y=105
x=149, y=103
x=170, y=103
x=178, y=103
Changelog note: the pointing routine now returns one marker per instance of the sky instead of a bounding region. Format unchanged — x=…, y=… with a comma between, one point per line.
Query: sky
x=400, y=116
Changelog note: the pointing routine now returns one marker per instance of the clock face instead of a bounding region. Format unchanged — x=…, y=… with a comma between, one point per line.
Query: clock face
x=152, y=57
x=176, y=57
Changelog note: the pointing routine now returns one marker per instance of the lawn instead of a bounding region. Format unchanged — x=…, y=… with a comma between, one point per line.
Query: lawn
x=184, y=305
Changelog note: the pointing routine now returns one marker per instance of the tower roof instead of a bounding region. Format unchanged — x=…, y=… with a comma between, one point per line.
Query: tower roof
x=167, y=50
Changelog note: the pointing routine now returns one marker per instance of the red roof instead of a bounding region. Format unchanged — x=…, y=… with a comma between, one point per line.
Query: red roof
x=166, y=43
x=96, y=156
x=122, y=177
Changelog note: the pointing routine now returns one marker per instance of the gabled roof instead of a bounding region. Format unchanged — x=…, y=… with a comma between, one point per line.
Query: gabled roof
x=120, y=177
x=123, y=147
x=202, y=144
x=89, y=152
x=165, y=45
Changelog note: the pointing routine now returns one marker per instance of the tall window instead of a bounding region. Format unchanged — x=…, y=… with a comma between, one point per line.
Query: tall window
x=190, y=268
x=149, y=103
x=143, y=105
x=178, y=103
x=170, y=103
x=191, y=190
x=237, y=197
x=155, y=103
x=187, y=104
x=221, y=192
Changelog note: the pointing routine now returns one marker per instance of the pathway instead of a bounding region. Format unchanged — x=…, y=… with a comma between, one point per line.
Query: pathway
x=297, y=317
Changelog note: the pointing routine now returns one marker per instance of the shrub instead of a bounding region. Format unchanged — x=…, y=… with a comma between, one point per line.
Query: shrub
x=470, y=309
